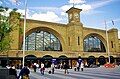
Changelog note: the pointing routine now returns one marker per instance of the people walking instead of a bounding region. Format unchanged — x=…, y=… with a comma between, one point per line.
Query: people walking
x=42, y=69
x=66, y=68
x=61, y=65
x=52, y=68
x=78, y=66
x=8, y=66
x=34, y=67
x=24, y=73
x=82, y=66
x=37, y=65
x=13, y=72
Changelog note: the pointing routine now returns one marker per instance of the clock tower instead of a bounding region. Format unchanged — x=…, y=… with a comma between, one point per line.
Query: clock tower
x=74, y=15
x=74, y=30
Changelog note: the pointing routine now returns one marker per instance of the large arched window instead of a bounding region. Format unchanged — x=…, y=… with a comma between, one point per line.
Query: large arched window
x=93, y=44
x=42, y=41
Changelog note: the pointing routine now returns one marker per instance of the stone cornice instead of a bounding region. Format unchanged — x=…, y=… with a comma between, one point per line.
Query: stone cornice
x=45, y=22
x=86, y=28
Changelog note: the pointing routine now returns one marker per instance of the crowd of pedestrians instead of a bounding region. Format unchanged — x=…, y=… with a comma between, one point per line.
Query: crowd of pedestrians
x=79, y=66
x=25, y=71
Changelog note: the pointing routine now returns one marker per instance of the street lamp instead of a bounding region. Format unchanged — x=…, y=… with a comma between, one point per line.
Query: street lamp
x=24, y=32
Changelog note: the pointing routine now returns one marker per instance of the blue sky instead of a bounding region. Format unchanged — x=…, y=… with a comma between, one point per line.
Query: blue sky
x=94, y=13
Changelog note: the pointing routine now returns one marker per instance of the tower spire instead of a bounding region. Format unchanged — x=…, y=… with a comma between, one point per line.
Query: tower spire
x=73, y=3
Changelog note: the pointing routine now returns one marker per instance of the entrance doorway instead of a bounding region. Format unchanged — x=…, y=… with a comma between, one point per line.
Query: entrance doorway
x=30, y=60
x=47, y=60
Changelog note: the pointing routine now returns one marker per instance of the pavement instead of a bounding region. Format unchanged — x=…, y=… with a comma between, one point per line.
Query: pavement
x=88, y=73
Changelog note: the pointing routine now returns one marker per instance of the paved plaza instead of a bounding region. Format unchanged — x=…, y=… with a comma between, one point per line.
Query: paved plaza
x=88, y=73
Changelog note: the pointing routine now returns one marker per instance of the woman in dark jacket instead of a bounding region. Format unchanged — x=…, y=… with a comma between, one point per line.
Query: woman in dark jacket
x=66, y=66
x=24, y=73
x=13, y=72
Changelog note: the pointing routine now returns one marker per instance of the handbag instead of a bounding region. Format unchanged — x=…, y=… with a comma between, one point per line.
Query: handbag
x=25, y=77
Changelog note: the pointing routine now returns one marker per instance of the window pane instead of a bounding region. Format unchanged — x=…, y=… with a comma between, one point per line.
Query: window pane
x=93, y=44
x=43, y=41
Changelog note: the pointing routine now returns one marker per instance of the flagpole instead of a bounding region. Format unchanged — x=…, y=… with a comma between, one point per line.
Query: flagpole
x=24, y=33
x=113, y=24
x=107, y=42
x=73, y=3
x=114, y=39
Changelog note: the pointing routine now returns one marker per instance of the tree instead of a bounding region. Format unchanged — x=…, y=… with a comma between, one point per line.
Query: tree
x=5, y=29
x=7, y=25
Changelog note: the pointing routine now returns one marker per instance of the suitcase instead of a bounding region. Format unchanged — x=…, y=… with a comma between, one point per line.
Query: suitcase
x=74, y=69
x=49, y=72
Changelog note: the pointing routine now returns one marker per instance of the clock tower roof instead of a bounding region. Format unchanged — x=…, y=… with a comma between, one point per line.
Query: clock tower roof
x=74, y=15
x=73, y=9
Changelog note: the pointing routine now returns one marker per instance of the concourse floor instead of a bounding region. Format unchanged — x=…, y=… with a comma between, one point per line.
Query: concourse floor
x=88, y=73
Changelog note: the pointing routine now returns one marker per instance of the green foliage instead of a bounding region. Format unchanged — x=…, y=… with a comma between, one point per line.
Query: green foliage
x=4, y=30
x=5, y=44
x=7, y=24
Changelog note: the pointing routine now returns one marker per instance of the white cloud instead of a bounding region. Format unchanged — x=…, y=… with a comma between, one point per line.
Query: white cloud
x=84, y=7
x=63, y=14
x=9, y=10
x=77, y=1
x=66, y=7
x=100, y=3
x=22, y=11
x=14, y=1
x=45, y=8
x=48, y=16
x=6, y=13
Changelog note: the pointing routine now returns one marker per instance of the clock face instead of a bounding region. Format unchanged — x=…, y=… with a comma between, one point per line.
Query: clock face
x=76, y=15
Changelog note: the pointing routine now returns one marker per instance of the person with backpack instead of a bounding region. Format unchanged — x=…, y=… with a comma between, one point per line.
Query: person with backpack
x=24, y=73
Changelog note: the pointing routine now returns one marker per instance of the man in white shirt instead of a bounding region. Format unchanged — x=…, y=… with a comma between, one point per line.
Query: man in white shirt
x=42, y=69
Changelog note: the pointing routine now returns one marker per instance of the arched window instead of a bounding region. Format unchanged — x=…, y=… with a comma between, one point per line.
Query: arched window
x=93, y=44
x=42, y=41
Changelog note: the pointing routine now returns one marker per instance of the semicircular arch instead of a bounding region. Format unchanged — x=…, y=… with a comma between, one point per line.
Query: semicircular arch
x=50, y=30
x=99, y=37
x=30, y=57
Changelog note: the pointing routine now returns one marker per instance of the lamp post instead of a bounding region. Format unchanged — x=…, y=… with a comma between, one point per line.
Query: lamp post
x=24, y=33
